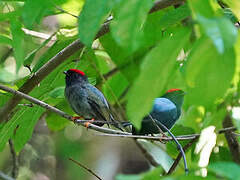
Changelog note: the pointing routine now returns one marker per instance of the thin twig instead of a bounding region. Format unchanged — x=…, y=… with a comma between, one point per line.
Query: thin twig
x=152, y=138
x=14, y=159
x=64, y=11
x=5, y=177
x=59, y=112
x=59, y=58
x=39, y=34
x=175, y=140
x=86, y=168
x=177, y=160
x=231, y=140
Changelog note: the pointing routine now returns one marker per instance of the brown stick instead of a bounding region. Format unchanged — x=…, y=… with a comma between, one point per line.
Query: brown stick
x=231, y=140
x=86, y=168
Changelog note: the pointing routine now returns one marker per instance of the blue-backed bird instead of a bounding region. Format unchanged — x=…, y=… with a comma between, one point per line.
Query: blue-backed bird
x=166, y=110
x=85, y=99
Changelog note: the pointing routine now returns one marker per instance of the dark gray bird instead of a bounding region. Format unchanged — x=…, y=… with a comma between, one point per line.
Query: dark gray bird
x=85, y=99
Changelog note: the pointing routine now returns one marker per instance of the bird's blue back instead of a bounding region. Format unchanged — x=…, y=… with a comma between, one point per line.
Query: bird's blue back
x=164, y=111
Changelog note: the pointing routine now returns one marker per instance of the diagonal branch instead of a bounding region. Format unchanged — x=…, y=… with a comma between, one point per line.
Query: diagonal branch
x=86, y=168
x=59, y=58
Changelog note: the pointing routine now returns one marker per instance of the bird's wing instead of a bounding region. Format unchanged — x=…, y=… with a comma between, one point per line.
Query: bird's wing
x=98, y=103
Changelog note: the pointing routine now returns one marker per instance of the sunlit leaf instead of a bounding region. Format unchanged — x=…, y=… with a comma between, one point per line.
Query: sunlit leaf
x=33, y=11
x=5, y=40
x=228, y=170
x=26, y=126
x=127, y=22
x=17, y=42
x=205, y=69
x=222, y=32
x=234, y=5
x=92, y=16
x=156, y=69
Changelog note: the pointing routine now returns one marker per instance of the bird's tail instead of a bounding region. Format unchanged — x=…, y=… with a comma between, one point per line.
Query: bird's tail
x=126, y=124
x=116, y=124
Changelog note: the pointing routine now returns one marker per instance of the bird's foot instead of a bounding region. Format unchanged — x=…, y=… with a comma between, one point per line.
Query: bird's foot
x=86, y=124
x=75, y=118
x=163, y=136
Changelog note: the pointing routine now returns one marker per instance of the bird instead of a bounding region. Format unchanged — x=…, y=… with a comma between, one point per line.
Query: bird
x=86, y=100
x=166, y=110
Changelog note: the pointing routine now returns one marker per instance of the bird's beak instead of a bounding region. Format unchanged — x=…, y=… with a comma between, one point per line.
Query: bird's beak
x=65, y=72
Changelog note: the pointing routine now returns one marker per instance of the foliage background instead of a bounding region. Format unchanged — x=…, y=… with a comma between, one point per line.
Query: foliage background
x=193, y=46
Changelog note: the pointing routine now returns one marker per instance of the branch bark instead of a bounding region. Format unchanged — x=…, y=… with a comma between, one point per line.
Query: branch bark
x=59, y=58
x=232, y=140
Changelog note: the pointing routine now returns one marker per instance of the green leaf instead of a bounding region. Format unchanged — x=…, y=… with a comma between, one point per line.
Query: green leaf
x=156, y=69
x=117, y=84
x=51, y=52
x=208, y=74
x=33, y=11
x=5, y=40
x=128, y=177
x=221, y=30
x=159, y=21
x=92, y=16
x=17, y=42
x=8, y=128
x=57, y=93
x=149, y=175
x=29, y=58
x=158, y=154
x=201, y=7
x=56, y=122
x=228, y=170
x=116, y=52
x=235, y=6
x=127, y=22
x=26, y=126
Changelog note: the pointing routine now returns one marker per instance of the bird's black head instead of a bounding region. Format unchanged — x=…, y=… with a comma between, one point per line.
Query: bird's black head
x=75, y=76
x=175, y=95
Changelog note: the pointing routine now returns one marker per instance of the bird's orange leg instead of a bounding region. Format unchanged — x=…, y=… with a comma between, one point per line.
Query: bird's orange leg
x=75, y=118
x=86, y=124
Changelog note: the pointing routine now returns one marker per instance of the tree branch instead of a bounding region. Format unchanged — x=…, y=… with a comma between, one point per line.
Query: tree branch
x=59, y=58
x=231, y=140
x=14, y=159
x=86, y=168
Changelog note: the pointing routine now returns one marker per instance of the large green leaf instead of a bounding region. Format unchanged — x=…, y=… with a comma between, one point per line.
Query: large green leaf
x=25, y=127
x=34, y=10
x=8, y=128
x=5, y=40
x=17, y=42
x=208, y=73
x=29, y=58
x=228, y=170
x=157, y=22
x=235, y=6
x=51, y=52
x=129, y=17
x=91, y=18
x=221, y=30
x=156, y=69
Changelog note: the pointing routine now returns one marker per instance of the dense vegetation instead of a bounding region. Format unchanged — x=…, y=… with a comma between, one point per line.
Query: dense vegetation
x=133, y=51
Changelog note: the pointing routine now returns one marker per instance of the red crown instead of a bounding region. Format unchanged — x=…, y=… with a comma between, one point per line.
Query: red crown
x=77, y=71
x=172, y=90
